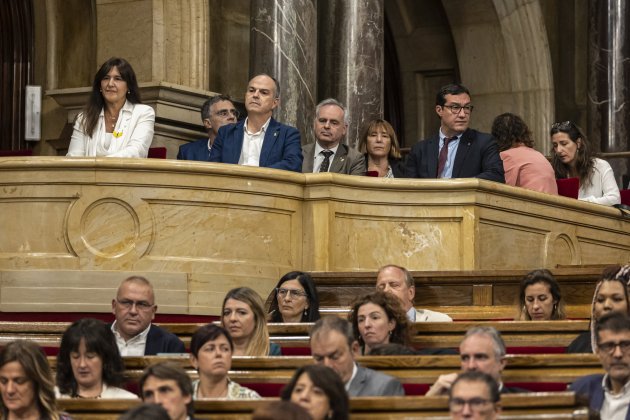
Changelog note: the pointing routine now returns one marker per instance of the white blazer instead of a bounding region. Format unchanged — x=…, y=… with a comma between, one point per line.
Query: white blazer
x=135, y=125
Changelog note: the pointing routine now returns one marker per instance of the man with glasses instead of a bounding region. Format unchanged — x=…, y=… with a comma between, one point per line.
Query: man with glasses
x=260, y=140
x=456, y=151
x=609, y=394
x=328, y=153
x=215, y=113
x=134, y=308
x=474, y=395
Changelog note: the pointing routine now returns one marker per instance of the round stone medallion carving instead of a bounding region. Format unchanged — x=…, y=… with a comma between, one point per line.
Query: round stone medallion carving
x=110, y=228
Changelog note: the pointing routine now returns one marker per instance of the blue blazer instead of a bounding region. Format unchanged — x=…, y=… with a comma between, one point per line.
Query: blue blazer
x=591, y=387
x=196, y=150
x=281, y=148
x=477, y=157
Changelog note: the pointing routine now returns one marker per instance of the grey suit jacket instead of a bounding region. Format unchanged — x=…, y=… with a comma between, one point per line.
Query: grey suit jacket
x=370, y=383
x=346, y=161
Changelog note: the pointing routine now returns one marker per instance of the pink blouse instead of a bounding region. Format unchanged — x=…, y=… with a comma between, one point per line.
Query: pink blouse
x=527, y=168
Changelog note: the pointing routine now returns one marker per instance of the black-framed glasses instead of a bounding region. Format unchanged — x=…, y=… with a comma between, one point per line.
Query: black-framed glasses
x=225, y=112
x=564, y=125
x=141, y=305
x=456, y=405
x=282, y=292
x=610, y=347
x=456, y=109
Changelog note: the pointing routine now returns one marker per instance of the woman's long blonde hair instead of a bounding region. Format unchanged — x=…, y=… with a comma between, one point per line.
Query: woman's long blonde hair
x=258, y=344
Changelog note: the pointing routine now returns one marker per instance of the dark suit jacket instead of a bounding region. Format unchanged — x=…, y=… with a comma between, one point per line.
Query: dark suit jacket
x=161, y=341
x=281, y=148
x=346, y=161
x=477, y=157
x=368, y=382
x=591, y=387
x=196, y=150
x=397, y=165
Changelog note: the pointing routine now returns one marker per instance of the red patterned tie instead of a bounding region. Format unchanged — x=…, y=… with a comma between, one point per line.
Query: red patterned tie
x=444, y=155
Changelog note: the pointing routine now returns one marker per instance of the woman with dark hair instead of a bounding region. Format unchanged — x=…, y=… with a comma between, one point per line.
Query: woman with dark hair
x=573, y=158
x=379, y=144
x=295, y=299
x=611, y=295
x=26, y=383
x=379, y=318
x=211, y=349
x=540, y=298
x=114, y=122
x=89, y=363
x=320, y=391
x=524, y=166
x=243, y=315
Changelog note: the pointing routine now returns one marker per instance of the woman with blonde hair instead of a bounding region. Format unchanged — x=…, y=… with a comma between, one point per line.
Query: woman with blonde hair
x=26, y=383
x=379, y=144
x=243, y=315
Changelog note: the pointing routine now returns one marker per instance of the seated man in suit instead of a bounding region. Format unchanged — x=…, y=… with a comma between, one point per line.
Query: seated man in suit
x=259, y=140
x=215, y=113
x=333, y=345
x=134, y=308
x=482, y=350
x=328, y=153
x=399, y=282
x=169, y=386
x=474, y=395
x=457, y=151
x=609, y=394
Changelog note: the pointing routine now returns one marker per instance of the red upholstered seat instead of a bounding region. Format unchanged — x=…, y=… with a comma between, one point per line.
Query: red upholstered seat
x=157, y=153
x=568, y=187
x=625, y=197
x=16, y=153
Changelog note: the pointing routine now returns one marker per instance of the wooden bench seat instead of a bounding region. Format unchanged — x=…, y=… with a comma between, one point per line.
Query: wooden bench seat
x=564, y=405
x=522, y=335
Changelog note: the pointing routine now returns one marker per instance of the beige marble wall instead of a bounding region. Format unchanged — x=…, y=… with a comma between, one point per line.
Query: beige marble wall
x=76, y=227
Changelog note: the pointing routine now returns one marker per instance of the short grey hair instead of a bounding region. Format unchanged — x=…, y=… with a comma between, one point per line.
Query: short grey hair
x=499, y=344
x=408, y=277
x=334, y=323
x=332, y=101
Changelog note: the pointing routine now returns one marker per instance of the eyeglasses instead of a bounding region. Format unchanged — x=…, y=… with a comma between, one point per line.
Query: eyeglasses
x=564, y=125
x=225, y=112
x=610, y=347
x=456, y=109
x=456, y=405
x=141, y=305
x=282, y=292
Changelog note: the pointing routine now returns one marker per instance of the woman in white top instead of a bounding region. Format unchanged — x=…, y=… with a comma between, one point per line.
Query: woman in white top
x=114, y=122
x=89, y=363
x=211, y=350
x=573, y=158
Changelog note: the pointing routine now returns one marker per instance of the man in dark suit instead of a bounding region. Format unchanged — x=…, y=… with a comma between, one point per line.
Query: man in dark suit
x=259, y=140
x=134, y=308
x=482, y=350
x=333, y=345
x=328, y=153
x=457, y=151
x=609, y=394
x=169, y=386
x=215, y=113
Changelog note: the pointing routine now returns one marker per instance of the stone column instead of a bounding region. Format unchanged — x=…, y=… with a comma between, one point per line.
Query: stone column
x=283, y=43
x=351, y=41
x=609, y=75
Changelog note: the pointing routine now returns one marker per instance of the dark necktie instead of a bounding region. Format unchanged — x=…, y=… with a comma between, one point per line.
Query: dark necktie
x=326, y=162
x=442, y=158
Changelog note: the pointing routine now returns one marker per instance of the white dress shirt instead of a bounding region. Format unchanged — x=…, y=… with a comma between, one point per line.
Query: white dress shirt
x=252, y=145
x=134, y=346
x=615, y=406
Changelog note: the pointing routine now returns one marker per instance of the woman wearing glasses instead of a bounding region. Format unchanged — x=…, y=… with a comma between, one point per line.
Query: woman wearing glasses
x=294, y=299
x=573, y=158
x=89, y=364
x=524, y=166
x=243, y=315
x=379, y=144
